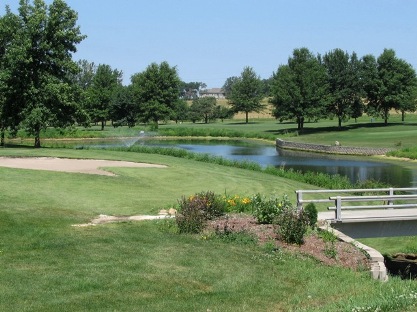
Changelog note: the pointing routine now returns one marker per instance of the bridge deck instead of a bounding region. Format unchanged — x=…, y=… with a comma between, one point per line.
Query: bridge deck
x=351, y=216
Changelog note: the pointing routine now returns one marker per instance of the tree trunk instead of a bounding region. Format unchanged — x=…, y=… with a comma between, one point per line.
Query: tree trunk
x=247, y=117
x=102, y=125
x=402, y=116
x=37, y=139
x=2, y=137
x=340, y=123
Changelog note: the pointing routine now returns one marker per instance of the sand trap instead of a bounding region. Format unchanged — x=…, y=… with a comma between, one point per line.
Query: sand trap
x=88, y=166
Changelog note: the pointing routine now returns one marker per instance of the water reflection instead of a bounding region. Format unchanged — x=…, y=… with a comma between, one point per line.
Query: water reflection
x=354, y=167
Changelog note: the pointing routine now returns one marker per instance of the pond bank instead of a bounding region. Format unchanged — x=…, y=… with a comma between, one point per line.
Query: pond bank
x=332, y=149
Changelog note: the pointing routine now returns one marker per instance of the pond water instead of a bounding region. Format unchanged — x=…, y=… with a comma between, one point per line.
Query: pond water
x=354, y=167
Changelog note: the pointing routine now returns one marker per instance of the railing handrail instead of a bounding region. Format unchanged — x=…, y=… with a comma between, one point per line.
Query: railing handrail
x=390, y=198
x=301, y=200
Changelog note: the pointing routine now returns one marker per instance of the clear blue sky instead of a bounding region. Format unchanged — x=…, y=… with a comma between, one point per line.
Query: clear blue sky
x=210, y=41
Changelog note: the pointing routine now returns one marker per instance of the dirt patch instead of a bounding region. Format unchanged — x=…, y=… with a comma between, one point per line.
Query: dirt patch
x=343, y=254
x=88, y=166
x=339, y=254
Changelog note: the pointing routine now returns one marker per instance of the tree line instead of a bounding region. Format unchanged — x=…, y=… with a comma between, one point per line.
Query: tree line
x=42, y=86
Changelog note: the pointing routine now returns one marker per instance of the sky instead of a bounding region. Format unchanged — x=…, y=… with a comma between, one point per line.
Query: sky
x=209, y=41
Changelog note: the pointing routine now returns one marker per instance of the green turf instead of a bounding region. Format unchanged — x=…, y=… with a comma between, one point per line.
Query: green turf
x=48, y=265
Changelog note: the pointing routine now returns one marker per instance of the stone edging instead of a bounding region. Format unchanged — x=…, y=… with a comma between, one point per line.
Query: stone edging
x=331, y=149
x=378, y=269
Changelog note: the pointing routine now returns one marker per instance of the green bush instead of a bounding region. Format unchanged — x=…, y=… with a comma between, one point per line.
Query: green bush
x=292, y=225
x=311, y=213
x=265, y=210
x=196, y=209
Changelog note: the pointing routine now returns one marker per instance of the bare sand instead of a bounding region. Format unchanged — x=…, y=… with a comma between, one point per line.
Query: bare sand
x=88, y=166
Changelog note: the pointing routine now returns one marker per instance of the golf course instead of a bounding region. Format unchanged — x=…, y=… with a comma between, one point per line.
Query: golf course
x=48, y=263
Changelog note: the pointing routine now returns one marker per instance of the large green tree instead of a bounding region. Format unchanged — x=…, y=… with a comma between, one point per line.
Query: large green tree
x=8, y=113
x=343, y=72
x=38, y=66
x=101, y=93
x=123, y=110
x=157, y=92
x=246, y=93
x=299, y=89
x=390, y=83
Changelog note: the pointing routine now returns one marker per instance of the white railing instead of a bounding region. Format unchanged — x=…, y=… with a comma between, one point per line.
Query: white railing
x=389, y=201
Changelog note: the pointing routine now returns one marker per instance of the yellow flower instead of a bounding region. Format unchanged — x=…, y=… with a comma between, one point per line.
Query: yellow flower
x=246, y=201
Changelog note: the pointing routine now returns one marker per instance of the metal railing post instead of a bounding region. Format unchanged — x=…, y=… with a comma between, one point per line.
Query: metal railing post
x=299, y=200
x=338, y=208
x=391, y=193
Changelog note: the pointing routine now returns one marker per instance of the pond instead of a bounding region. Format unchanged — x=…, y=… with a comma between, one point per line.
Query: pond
x=354, y=167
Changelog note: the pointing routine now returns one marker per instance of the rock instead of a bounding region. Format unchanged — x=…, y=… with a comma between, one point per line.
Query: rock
x=172, y=211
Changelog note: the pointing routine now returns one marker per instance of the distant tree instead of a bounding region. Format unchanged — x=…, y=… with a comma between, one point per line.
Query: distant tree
x=389, y=83
x=357, y=109
x=227, y=87
x=343, y=72
x=101, y=93
x=246, y=93
x=123, y=110
x=156, y=91
x=223, y=112
x=85, y=76
x=181, y=111
x=299, y=89
x=203, y=108
x=266, y=86
x=38, y=65
x=191, y=90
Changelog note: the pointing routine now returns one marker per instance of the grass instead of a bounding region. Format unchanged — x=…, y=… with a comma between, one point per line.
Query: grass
x=49, y=265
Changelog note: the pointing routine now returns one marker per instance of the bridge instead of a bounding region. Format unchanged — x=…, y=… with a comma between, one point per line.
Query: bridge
x=384, y=212
x=363, y=213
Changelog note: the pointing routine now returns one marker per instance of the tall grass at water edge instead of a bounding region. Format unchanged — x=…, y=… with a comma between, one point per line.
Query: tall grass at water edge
x=319, y=179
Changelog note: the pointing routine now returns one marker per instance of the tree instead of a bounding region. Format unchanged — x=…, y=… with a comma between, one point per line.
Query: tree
x=223, y=112
x=38, y=66
x=8, y=113
x=299, y=90
x=344, y=83
x=203, y=108
x=389, y=83
x=246, y=93
x=123, y=110
x=85, y=76
x=191, y=90
x=156, y=92
x=227, y=87
x=101, y=92
x=181, y=111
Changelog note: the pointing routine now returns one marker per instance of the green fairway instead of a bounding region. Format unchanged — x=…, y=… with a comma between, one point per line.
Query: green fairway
x=48, y=265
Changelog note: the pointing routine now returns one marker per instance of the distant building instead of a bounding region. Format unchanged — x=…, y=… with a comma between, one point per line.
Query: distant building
x=218, y=93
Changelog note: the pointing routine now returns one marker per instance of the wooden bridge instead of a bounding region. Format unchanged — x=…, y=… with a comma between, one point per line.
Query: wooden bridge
x=360, y=213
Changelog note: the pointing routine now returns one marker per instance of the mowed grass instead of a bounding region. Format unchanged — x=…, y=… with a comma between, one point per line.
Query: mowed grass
x=362, y=132
x=49, y=265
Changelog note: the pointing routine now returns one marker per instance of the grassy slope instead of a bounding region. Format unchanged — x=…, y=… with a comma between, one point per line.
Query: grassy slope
x=48, y=265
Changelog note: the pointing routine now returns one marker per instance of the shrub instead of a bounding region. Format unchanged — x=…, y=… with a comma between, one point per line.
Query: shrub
x=265, y=210
x=292, y=225
x=195, y=210
x=229, y=234
x=311, y=213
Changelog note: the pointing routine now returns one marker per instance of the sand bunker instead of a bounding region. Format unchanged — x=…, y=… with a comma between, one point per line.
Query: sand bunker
x=89, y=166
